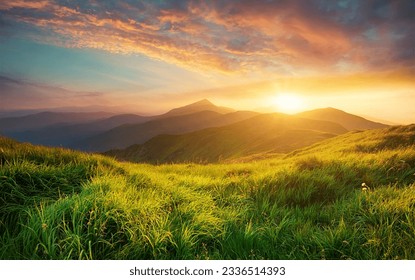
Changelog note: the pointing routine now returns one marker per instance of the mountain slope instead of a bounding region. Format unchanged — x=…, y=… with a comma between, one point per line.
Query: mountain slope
x=267, y=133
x=348, y=121
x=118, y=120
x=126, y=135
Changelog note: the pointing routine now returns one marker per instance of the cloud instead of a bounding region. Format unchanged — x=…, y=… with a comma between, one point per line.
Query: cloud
x=285, y=37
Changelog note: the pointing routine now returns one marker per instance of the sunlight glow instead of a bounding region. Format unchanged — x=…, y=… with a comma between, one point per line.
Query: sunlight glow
x=289, y=103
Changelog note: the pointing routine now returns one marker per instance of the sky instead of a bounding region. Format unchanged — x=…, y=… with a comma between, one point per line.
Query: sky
x=150, y=56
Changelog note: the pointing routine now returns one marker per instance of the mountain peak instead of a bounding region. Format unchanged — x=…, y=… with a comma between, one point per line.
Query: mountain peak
x=202, y=102
x=201, y=105
x=324, y=110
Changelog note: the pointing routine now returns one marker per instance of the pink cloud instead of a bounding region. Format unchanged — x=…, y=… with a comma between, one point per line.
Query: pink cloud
x=226, y=36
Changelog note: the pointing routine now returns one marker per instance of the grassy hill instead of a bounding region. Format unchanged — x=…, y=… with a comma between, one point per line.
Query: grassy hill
x=308, y=204
x=267, y=133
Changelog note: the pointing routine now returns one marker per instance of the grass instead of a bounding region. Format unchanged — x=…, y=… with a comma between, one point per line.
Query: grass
x=309, y=204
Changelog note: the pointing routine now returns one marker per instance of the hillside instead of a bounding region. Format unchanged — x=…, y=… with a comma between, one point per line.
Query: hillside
x=267, y=133
x=349, y=121
x=310, y=204
x=126, y=135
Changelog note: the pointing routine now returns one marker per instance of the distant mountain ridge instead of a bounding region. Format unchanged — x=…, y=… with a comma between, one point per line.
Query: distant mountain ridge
x=276, y=133
x=349, y=121
x=72, y=129
x=187, y=130
x=44, y=119
x=126, y=135
x=67, y=134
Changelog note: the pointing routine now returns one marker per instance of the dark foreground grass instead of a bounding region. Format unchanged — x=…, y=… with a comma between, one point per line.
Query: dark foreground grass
x=58, y=204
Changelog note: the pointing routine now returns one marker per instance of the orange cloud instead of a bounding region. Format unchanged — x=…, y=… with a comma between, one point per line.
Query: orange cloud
x=278, y=37
x=6, y=5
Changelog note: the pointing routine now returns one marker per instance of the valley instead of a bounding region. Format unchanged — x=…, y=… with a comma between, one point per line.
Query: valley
x=230, y=133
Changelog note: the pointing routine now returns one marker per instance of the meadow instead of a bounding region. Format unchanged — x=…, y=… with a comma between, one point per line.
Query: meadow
x=348, y=197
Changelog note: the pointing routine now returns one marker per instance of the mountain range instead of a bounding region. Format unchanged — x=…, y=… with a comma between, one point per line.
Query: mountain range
x=348, y=121
x=45, y=119
x=201, y=132
x=266, y=133
x=126, y=135
x=66, y=134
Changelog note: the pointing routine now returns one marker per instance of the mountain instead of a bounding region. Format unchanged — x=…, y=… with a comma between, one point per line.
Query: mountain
x=44, y=119
x=202, y=105
x=102, y=131
x=66, y=134
x=266, y=133
x=126, y=135
x=348, y=121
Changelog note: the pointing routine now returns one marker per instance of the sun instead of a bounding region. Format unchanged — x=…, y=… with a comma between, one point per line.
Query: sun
x=289, y=103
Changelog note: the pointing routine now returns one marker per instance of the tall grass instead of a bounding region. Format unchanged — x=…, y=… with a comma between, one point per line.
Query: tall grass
x=60, y=204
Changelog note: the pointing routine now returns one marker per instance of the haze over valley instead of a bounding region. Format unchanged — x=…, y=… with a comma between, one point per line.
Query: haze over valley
x=201, y=132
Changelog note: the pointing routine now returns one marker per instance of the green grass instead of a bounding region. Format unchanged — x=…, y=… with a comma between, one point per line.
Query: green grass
x=309, y=204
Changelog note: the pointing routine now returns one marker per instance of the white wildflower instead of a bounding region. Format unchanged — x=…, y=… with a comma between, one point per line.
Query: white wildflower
x=365, y=187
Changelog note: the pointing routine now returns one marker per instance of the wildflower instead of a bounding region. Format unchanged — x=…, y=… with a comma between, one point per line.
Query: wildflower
x=365, y=187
